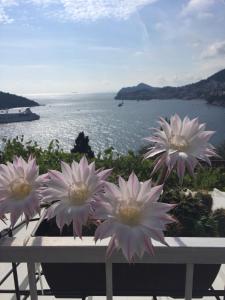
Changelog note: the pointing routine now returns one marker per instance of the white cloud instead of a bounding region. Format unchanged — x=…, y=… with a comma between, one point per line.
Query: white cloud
x=200, y=8
x=177, y=79
x=142, y=53
x=198, y=5
x=8, y=3
x=106, y=48
x=194, y=6
x=44, y=3
x=78, y=10
x=214, y=50
x=210, y=66
x=205, y=15
x=159, y=26
x=4, y=17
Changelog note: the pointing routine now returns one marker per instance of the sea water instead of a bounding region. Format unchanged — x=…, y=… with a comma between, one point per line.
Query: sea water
x=62, y=117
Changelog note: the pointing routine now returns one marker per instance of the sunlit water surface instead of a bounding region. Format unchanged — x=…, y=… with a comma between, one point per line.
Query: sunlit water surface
x=106, y=124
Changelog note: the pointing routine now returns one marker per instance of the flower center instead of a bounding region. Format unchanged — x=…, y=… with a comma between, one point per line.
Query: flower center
x=20, y=188
x=129, y=215
x=78, y=194
x=179, y=143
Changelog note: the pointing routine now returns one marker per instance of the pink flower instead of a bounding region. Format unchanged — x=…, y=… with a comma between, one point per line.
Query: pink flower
x=181, y=144
x=132, y=216
x=20, y=189
x=75, y=191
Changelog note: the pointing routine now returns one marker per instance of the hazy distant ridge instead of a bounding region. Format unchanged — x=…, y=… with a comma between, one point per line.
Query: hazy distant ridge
x=8, y=100
x=203, y=89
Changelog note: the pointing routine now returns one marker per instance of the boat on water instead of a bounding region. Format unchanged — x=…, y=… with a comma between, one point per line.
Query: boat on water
x=24, y=116
x=121, y=104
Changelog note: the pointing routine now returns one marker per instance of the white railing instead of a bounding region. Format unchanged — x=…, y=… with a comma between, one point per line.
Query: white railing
x=189, y=251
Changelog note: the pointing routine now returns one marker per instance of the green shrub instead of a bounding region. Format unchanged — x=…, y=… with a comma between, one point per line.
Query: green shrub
x=219, y=216
x=193, y=213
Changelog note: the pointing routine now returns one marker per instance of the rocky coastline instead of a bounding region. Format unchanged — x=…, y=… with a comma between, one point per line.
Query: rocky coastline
x=211, y=89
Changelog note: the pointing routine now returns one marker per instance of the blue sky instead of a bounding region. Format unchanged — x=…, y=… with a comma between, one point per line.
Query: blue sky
x=61, y=46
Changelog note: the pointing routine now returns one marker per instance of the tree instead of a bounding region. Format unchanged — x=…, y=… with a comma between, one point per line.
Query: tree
x=82, y=145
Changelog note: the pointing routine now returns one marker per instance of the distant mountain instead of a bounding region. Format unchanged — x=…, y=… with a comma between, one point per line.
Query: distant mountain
x=11, y=101
x=212, y=88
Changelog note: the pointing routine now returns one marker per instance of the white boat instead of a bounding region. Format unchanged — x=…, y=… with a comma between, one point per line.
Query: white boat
x=24, y=116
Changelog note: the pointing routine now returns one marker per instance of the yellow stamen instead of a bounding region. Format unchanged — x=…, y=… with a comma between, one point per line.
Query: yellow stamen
x=78, y=194
x=20, y=188
x=179, y=143
x=129, y=215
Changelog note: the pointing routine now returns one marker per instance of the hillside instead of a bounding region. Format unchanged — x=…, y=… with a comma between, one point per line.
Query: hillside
x=203, y=89
x=11, y=101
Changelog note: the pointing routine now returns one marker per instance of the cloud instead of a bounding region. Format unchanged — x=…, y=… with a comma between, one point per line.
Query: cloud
x=8, y=3
x=202, y=9
x=214, y=50
x=43, y=3
x=4, y=17
x=79, y=10
x=194, y=6
x=106, y=48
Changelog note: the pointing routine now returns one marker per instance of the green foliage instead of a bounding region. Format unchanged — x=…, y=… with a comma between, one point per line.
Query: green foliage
x=221, y=151
x=82, y=145
x=206, y=178
x=193, y=213
x=219, y=216
x=49, y=158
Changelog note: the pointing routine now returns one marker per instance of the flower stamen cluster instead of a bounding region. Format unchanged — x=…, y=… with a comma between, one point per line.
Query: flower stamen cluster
x=20, y=188
x=77, y=188
x=181, y=144
x=129, y=215
x=132, y=217
x=78, y=194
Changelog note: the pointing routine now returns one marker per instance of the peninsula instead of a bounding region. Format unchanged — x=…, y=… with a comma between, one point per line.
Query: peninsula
x=211, y=89
x=8, y=101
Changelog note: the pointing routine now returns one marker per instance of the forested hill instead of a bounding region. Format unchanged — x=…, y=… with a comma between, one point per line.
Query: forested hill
x=212, y=88
x=8, y=100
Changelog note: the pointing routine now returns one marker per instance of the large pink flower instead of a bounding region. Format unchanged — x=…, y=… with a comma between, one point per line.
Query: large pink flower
x=20, y=189
x=180, y=143
x=132, y=216
x=74, y=192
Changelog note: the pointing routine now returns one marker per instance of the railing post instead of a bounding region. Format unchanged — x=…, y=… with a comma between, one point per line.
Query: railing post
x=189, y=281
x=16, y=282
x=14, y=269
x=32, y=280
x=109, y=282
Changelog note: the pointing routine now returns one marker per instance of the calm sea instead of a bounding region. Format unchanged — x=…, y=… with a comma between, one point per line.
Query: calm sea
x=106, y=124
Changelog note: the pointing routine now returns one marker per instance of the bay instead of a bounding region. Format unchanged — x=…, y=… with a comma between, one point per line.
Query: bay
x=63, y=116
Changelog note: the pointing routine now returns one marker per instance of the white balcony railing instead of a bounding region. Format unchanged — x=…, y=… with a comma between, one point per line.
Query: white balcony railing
x=189, y=251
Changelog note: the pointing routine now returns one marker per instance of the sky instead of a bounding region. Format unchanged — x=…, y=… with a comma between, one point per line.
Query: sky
x=85, y=46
